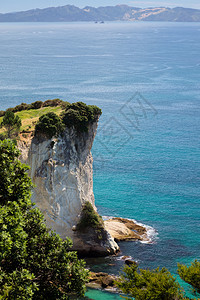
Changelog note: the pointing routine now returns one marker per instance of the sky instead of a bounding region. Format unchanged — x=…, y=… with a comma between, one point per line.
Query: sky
x=13, y=5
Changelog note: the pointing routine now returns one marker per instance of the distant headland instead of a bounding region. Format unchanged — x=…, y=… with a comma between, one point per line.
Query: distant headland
x=71, y=13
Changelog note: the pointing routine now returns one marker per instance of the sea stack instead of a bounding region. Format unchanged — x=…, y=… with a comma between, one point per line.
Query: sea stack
x=61, y=169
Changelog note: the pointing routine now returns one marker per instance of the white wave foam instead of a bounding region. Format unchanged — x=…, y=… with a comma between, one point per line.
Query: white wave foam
x=122, y=257
x=105, y=218
x=151, y=233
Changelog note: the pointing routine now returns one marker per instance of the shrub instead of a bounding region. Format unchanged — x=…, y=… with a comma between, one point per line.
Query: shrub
x=54, y=102
x=10, y=109
x=20, y=107
x=64, y=104
x=2, y=113
x=89, y=218
x=49, y=124
x=80, y=115
x=35, y=105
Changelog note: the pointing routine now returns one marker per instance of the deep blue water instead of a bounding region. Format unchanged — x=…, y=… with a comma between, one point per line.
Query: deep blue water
x=145, y=77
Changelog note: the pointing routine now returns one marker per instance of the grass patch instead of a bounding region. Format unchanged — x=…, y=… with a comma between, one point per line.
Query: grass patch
x=30, y=117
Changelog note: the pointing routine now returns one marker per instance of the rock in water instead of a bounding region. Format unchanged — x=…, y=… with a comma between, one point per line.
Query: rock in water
x=62, y=171
x=124, y=229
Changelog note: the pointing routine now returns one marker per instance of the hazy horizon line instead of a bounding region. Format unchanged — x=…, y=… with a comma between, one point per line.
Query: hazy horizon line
x=156, y=6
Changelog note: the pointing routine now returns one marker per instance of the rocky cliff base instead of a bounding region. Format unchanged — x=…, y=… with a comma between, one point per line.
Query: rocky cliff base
x=95, y=243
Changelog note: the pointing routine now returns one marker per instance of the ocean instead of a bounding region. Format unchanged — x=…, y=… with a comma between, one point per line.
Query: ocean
x=145, y=77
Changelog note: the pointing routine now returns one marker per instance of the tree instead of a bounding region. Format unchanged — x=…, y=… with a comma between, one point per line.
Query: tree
x=80, y=115
x=191, y=275
x=149, y=285
x=35, y=263
x=49, y=124
x=15, y=183
x=11, y=123
x=19, y=285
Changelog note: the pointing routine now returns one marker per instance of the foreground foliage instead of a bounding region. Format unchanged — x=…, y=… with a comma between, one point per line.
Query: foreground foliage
x=191, y=275
x=159, y=284
x=34, y=262
x=149, y=285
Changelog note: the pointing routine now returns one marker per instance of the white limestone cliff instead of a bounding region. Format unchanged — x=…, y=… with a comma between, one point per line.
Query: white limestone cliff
x=62, y=172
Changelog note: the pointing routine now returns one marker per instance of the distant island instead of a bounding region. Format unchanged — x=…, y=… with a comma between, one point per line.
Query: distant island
x=71, y=13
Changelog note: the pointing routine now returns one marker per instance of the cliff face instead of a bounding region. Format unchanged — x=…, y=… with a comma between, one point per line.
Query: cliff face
x=61, y=169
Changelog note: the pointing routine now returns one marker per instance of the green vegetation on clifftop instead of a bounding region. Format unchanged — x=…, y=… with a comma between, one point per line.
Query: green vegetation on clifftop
x=77, y=115
x=30, y=113
x=80, y=115
x=49, y=124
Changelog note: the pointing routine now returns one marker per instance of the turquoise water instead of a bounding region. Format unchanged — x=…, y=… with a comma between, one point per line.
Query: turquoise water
x=145, y=77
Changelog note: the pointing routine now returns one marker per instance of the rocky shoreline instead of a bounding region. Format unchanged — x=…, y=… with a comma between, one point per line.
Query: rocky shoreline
x=124, y=229
x=102, y=280
x=105, y=281
x=121, y=230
